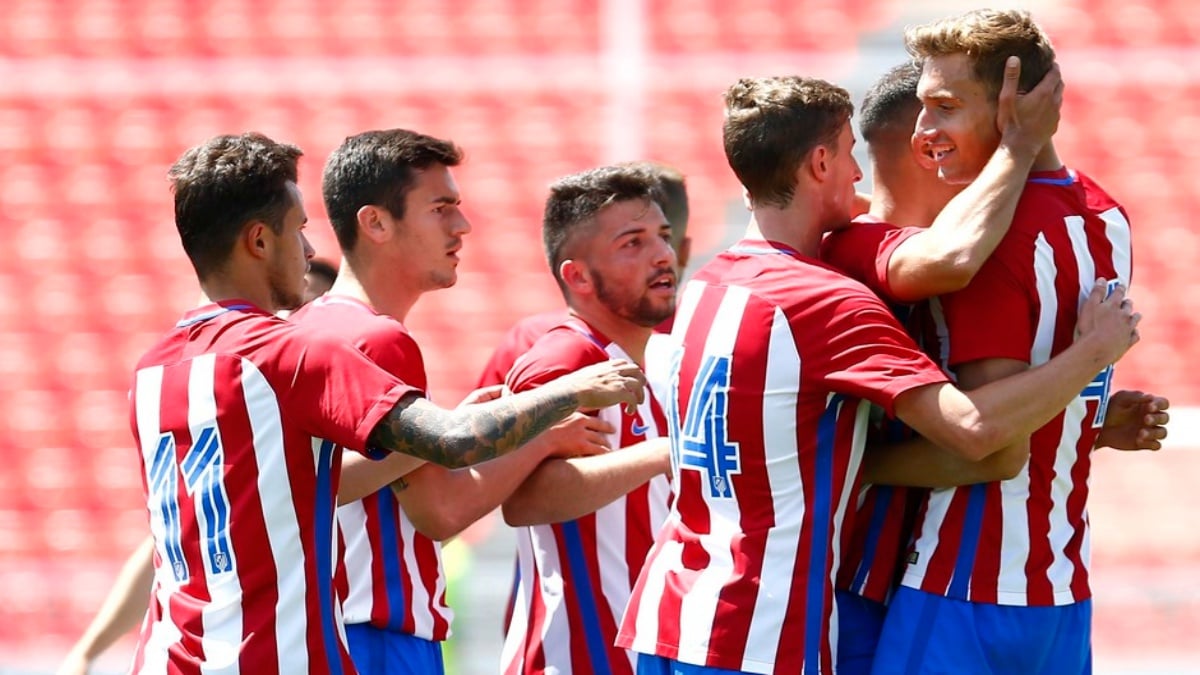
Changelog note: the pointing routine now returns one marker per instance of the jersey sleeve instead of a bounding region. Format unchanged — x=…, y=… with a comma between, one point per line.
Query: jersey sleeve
x=395, y=350
x=990, y=318
x=862, y=252
x=867, y=354
x=339, y=394
x=557, y=353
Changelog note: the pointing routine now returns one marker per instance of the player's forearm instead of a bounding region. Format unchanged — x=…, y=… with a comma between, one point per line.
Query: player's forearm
x=1007, y=410
x=565, y=489
x=945, y=257
x=922, y=463
x=362, y=476
x=475, y=433
x=441, y=503
x=124, y=606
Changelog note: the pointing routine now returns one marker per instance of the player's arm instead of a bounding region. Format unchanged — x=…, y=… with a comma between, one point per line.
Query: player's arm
x=565, y=489
x=123, y=608
x=477, y=433
x=920, y=462
x=1004, y=401
x=946, y=256
x=479, y=489
x=1134, y=421
x=362, y=476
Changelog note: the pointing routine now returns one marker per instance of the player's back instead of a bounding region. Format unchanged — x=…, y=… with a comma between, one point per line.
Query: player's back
x=1025, y=541
x=240, y=496
x=778, y=354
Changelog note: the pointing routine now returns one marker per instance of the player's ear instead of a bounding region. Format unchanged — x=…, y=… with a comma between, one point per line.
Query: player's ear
x=575, y=276
x=684, y=252
x=372, y=225
x=817, y=163
x=254, y=239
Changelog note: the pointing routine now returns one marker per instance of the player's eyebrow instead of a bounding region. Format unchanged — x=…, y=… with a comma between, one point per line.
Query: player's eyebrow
x=446, y=199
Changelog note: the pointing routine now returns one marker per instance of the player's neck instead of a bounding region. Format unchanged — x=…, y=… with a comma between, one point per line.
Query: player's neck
x=630, y=337
x=1047, y=159
x=906, y=206
x=791, y=226
x=232, y=285
x=372, y=285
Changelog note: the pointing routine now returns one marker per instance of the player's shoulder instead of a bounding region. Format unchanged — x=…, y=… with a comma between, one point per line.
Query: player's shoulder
x=564, y=348
x=1098, y=199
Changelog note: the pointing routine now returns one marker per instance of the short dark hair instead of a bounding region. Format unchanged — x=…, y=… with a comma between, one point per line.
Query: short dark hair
x=988, y=37
x=673, y=197
x=377, y=168
x=891, y=105
x=772, y=124
x=575, y=200
x=224, y=184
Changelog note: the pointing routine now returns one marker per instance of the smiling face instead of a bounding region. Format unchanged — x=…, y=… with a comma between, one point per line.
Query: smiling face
x=430, y=235
x=957, y=123
x=631, y=263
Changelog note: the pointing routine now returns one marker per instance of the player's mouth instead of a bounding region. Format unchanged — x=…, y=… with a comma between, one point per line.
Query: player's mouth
x=940, y=153
x=452, y=253
x=664, y=282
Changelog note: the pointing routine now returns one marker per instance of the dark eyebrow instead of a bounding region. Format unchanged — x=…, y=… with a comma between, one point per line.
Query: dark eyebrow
x=453, y=201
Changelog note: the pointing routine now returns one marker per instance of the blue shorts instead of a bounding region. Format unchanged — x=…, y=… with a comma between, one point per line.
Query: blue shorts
x=384, y=652
x=860, y=622
x=649, y=664
x=927, y=633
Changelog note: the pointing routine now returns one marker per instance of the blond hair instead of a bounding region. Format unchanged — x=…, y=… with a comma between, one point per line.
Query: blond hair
x=772, y=124
x=988, y=37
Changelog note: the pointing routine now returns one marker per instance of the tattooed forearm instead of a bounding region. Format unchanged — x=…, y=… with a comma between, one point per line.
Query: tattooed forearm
x=471, y=434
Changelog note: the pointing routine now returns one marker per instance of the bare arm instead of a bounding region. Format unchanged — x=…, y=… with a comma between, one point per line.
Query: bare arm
x=565, y=489
x=363, y=476
x=946, y=256
x=1004, y=410
x=477, y=433
x=922, y=463
x=123, y=608
x=477, y=490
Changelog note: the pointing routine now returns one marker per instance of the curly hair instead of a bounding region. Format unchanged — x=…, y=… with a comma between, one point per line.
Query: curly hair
x=772, y=124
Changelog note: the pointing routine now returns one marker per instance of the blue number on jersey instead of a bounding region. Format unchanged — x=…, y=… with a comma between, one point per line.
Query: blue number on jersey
x=705, y=444
x=202, y=469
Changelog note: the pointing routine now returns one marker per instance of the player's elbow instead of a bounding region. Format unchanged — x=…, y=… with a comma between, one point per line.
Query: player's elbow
x=438, y=524
x=517, y=513
x=972, y=438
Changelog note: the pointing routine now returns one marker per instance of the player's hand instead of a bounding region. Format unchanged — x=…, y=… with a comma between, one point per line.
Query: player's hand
x=1135, y=421
x=1027, y=121
x=579, y=435
x=610, y=383
x=483, y=395
x=1109, y=321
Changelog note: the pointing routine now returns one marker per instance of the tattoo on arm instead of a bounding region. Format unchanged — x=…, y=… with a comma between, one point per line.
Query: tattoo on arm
x=472, y=434
x=399, y=485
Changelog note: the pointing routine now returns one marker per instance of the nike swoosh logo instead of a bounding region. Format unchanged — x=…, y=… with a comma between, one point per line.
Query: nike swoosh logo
x=639, y=429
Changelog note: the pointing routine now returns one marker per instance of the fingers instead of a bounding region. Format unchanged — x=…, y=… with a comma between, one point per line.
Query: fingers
x=1157, y=403
x=1012, y=76
x=598, y=426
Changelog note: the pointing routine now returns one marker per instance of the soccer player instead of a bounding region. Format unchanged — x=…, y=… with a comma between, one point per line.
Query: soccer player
x=779, y=356
x=586, y=524
x=674, y=203
x=240, y=418
x=907, y=190
x=394, y=206
x=997, y=579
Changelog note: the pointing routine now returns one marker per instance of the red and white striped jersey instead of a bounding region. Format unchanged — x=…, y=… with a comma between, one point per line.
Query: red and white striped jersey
x=574, y=578
x=393, y=573
x=229, y=410
x=768, y=417
x=873, y=562
x=1025, y=541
